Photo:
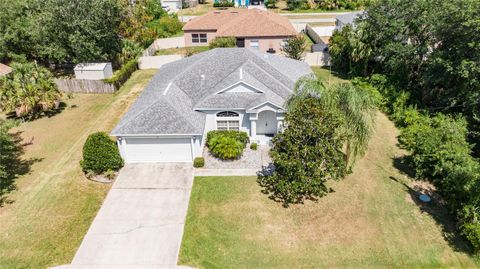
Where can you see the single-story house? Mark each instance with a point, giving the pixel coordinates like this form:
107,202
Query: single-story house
93,71
5,69
172,5
221,89
349,18
247,3
262,30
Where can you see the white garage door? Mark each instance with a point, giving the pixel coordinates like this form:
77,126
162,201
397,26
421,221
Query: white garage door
158,150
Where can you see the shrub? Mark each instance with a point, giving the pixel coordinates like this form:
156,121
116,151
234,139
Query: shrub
241,136
199,162
223,42
253,146
100,154
166,26
123,74
223,3
227,144
297,4
131,50
294,47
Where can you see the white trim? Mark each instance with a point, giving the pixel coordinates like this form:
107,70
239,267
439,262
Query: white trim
166,89
280,108
152,135
238,83
220,109
241,73
192,148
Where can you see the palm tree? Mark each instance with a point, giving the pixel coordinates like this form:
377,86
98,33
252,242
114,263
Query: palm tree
355,106
28,90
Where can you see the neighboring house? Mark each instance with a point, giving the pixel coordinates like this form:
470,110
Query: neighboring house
253,28
5,69
246,3
93,71
349,18
172,5
221,89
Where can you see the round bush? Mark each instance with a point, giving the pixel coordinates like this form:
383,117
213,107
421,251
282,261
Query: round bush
227,148
100,154
253,146
199,162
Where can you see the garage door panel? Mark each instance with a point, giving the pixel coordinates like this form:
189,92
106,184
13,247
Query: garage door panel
158,150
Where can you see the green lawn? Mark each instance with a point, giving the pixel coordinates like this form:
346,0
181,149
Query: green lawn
328,76
54,204
372,220
182,51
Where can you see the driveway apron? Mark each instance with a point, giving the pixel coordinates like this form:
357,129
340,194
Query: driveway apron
142,218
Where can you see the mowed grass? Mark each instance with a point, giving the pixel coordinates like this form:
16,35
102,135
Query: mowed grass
371,220
182,51
54,204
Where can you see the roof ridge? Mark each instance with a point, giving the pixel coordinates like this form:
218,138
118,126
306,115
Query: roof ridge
270,75
201,100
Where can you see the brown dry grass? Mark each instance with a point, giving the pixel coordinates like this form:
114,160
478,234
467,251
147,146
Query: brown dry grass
54,205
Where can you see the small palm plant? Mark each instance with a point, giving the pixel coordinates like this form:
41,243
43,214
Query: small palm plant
29,90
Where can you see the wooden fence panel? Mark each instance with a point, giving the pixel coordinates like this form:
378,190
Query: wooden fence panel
84,86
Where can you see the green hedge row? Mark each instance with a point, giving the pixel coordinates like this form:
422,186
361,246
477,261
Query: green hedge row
123,74
440,152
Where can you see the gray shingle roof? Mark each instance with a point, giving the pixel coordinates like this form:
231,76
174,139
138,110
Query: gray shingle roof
349,18
168,103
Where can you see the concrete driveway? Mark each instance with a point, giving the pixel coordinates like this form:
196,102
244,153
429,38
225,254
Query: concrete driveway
140,224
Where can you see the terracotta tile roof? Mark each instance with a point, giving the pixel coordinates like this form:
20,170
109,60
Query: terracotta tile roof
243,22
5,69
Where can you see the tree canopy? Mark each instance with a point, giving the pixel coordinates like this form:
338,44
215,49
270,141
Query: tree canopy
325,129
429,48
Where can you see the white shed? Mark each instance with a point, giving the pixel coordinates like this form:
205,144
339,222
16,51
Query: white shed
93,71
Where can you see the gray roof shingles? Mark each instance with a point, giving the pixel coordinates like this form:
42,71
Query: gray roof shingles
195,80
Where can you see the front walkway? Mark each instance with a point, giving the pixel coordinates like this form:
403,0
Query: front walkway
140,224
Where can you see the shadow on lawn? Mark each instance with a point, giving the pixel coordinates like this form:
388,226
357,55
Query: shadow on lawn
13,165
437,209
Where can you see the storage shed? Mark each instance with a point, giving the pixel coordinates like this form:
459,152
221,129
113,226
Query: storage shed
93,71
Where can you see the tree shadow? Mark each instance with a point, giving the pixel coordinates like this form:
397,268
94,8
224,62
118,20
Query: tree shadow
437,209
337,73
13,165
50,113
403,164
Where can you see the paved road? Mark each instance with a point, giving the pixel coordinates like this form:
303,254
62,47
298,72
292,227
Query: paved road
140,224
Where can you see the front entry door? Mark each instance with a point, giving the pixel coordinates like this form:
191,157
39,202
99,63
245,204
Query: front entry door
267,122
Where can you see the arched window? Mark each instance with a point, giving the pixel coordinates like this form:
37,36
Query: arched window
227,114
228,120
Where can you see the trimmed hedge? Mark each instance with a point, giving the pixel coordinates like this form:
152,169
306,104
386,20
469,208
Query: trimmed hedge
227,144
223,3
123,74
100,154
253,146
199,162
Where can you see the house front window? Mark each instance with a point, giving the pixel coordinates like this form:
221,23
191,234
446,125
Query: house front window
254,44
228,120
199,38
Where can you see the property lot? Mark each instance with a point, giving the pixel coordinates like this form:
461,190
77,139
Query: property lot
371,220
54,204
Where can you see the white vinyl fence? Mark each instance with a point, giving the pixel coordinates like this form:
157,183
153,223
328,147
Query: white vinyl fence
317,58
155,62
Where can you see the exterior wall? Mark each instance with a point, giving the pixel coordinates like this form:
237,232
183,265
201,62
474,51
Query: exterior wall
94,74
174,5
188,37
265,43
211,122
